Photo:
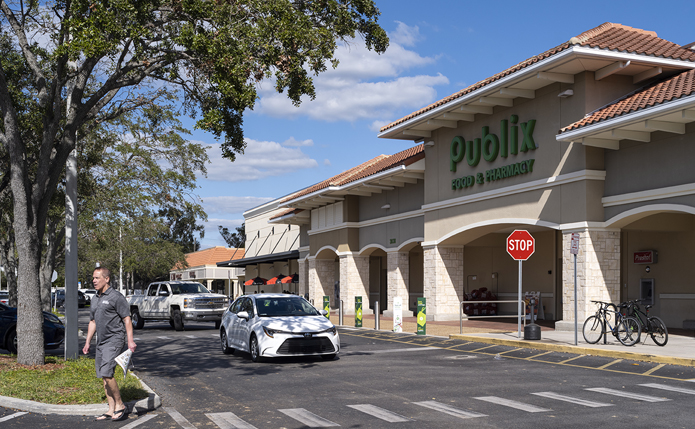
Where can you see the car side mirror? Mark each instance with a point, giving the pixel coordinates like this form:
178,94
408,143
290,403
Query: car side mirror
163,293
323,312
243,315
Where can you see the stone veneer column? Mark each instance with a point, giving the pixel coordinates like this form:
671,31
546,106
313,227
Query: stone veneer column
303,286
443,281
398,280
321,280
598,274
354,281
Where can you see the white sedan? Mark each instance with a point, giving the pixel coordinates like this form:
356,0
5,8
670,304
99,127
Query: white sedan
275,325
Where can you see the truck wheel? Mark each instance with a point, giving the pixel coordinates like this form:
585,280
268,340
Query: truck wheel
178,321
138,322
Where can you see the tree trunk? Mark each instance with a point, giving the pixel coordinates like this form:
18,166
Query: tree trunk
48,264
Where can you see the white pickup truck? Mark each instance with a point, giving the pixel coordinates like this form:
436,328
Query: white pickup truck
177,301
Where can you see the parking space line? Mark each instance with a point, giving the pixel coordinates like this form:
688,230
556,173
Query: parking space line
448,409
669,388
483,348
308,418
571,359
609,364
164,338
509,351
380,413
139,421
538,355
178,418
11,416
559,397
624,394
513,404
656,368
229,421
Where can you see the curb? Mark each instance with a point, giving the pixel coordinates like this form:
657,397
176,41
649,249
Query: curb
578,350
150,403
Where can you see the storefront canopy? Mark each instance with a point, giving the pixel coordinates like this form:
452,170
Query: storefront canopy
263,259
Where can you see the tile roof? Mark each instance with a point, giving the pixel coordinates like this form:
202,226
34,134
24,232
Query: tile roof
211,256
366,169
608,36
681,85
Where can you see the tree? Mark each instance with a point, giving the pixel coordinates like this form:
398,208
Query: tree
234,239
93,61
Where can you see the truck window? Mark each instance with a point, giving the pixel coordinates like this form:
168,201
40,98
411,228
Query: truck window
152,291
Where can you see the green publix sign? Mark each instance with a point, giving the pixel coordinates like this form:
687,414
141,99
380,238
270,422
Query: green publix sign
489,147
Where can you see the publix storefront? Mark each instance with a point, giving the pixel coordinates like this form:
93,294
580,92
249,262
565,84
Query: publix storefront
595,136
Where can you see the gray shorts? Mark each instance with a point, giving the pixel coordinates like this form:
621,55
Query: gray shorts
105,359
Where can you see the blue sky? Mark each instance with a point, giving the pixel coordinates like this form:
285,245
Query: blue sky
437,48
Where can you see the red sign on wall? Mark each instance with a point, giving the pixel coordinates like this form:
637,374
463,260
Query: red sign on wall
644,257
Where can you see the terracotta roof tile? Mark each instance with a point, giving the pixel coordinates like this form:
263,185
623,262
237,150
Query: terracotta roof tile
285,213
609,36
211,256
681,85
366,169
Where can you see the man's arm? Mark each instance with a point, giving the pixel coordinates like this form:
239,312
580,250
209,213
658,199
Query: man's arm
129,333
90,333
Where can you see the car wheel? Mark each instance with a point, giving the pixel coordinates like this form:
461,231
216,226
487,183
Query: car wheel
138,322
254,349
225,345
171,322
12,342
178,321
328,357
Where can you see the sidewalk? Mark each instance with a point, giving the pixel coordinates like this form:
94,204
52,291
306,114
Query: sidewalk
680,349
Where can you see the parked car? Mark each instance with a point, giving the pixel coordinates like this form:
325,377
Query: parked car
89,294
274,325
4,297
58,298
53,329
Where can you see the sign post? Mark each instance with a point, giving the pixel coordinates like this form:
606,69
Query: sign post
574,249
520,246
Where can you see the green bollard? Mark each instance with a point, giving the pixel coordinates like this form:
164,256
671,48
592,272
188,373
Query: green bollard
421,316
358,312
327,306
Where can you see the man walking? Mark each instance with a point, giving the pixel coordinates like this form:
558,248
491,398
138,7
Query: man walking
110,319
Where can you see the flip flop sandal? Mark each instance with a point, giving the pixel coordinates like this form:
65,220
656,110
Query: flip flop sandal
103,417
123,415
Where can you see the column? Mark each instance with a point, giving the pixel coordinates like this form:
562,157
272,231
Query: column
321,280
443,281
598,274
354,281
398,284
303,286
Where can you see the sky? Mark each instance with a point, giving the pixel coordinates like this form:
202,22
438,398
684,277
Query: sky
437,48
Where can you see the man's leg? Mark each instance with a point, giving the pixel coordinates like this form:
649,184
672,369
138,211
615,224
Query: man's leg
113,395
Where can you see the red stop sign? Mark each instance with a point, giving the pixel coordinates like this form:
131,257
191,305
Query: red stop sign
520,245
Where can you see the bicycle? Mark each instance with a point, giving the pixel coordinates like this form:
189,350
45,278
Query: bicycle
651,325
627,329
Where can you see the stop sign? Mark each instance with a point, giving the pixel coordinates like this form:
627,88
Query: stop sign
520,245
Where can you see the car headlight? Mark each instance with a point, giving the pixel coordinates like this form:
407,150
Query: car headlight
270,332
331,330
188,303
52,318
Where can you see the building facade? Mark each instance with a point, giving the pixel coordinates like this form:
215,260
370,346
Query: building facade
595,136
203,268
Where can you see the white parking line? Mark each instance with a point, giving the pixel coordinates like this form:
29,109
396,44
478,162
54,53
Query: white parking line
139,421
380,413
229,421
513,404
559,397
448,409
164,338
410,349
11,416
308,418
669,388
625,394
190,336
178,418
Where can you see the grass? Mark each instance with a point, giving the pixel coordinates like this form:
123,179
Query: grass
61,382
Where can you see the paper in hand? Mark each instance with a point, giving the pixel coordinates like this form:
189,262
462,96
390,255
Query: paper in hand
124,361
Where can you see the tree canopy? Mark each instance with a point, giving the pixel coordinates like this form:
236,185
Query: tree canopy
71,64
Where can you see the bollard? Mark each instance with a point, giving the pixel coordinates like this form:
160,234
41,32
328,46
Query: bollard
532,331
340,313
376,315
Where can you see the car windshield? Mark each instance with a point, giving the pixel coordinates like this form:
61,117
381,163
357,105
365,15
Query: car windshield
290,306
183,288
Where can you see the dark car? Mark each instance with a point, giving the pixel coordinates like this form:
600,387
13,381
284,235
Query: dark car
4,297
58,298
53,329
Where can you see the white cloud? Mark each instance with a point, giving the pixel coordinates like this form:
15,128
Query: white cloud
232,205
327,162
212,234
292,142
260,159
364,86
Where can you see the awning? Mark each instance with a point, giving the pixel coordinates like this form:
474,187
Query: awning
263,259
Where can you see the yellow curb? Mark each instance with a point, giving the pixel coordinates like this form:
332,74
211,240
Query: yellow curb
642,357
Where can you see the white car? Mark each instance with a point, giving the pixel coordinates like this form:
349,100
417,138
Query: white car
89,294
277,325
